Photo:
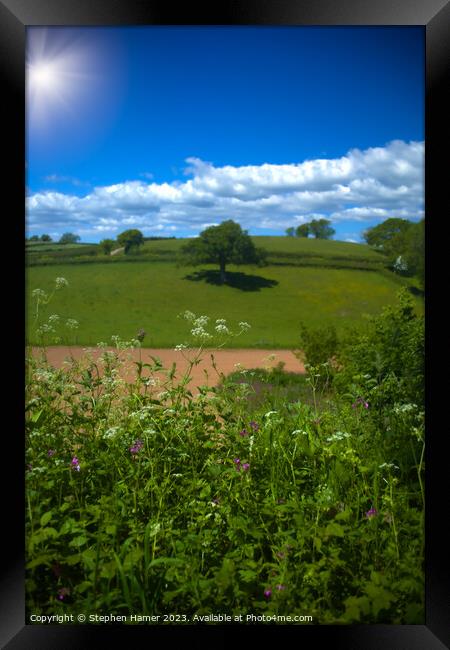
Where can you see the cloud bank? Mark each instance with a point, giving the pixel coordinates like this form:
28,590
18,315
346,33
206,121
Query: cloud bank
359,188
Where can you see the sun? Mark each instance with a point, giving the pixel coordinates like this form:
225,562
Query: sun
44,75
58,77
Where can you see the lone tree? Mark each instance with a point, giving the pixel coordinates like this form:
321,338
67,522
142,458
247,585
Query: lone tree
46,238
224,244
388,236
107,245
321,229
303,230
69,238
290,232
130,239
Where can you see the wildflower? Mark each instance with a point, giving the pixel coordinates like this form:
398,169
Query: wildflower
371,513
246,466
134,449
72,324
141,335
243,433
61,282
267,593
39,294
237,461
244,326
362,401
75,464
281,501
215,501
281,587
199,332
51,452
281,555
180,347
254,425
63,592
222,329
54,318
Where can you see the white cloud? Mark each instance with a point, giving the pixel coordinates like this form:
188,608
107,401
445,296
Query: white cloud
361,186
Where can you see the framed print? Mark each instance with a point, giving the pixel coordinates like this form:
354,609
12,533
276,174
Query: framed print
227,295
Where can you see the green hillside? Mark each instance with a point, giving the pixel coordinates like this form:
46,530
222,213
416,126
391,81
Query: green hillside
120,298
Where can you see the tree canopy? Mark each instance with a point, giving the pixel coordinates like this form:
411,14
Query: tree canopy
388,235
69,238
107,245
403,242
321,228
130,239
224,244
303,230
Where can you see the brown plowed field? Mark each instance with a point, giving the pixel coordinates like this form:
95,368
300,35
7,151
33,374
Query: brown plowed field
226,361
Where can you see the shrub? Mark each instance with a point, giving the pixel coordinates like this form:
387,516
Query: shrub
318,345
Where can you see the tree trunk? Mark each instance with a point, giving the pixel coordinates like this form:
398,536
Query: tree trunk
223,277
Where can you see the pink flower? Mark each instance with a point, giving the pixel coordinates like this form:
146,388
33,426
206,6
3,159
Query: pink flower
268,593
371,513
75,464
63,592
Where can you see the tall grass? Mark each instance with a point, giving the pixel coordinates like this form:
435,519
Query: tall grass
144,498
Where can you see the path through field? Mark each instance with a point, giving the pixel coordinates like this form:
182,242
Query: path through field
226,361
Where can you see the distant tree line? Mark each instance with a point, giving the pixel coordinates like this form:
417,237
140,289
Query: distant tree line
318,228
66,238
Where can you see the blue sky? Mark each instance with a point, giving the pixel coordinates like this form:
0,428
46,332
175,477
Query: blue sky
172,129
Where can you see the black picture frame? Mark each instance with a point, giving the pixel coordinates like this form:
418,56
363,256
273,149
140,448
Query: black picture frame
15,16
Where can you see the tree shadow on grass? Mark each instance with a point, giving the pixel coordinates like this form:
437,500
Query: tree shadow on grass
242,281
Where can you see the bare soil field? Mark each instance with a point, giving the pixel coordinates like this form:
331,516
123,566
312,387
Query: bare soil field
227,361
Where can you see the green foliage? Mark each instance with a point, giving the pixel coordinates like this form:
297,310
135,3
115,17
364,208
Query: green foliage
148,496
224,244
403,243
290,232
321,228
390,352
303,230
107,245
388,235
46,238
69,238
318,345
130,239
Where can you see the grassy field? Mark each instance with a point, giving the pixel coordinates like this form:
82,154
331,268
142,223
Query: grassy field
121,298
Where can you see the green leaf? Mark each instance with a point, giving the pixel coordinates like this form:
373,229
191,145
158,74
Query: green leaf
78,541
334,529
45,518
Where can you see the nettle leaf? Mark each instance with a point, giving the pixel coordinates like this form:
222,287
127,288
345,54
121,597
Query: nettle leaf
45,518
108,570
334,529
41,559
355,606
79,540
248,575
